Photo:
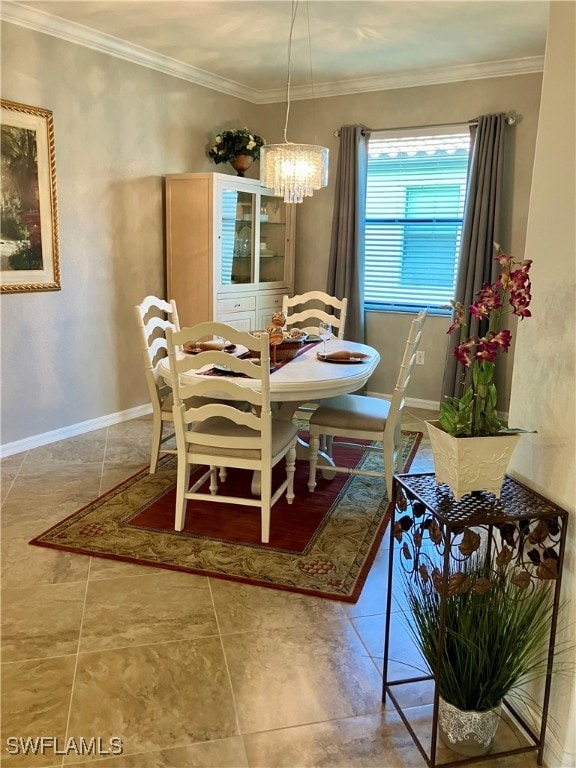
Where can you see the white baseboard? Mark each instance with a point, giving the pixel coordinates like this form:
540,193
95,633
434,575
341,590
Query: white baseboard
35,441
413,402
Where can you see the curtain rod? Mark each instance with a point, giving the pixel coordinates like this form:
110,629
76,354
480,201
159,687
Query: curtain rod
510,120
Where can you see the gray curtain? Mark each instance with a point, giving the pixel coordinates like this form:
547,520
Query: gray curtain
346,265
480,231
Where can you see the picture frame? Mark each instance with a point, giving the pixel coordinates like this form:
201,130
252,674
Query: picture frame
29,258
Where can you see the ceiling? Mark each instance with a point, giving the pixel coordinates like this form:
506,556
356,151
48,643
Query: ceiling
241,46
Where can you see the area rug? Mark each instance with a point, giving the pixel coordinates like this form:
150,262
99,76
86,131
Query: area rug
323,544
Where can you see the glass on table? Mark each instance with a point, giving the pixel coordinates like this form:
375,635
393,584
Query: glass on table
325,333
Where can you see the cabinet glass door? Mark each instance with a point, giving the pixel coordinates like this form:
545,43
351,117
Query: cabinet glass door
237,244
272,249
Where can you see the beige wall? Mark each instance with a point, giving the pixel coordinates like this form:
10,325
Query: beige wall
429,105
72,356
544,380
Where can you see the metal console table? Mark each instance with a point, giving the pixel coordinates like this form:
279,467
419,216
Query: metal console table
429,525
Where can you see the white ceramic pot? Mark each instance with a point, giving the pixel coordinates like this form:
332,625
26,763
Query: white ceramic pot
468,464
468,733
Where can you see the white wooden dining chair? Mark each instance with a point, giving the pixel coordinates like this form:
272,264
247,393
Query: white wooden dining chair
308,310
359,417
218,434
154,316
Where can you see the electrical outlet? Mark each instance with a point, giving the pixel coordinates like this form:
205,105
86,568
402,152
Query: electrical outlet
420,356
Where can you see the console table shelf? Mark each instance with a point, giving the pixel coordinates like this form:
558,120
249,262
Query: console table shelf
430,528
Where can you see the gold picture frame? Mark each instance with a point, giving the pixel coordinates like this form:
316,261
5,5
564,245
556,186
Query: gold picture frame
29,213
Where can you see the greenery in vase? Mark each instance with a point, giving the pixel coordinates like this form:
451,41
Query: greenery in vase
229,144
496,626
474,413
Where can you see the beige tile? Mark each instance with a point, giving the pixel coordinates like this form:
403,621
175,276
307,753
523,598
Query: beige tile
114,474
126,450
154,696
80,449
41,621
223,753
9,468
244,608
26,565
35,700
139,429
149,609
104,568
371,741
373,597
298,675
51,491
405,661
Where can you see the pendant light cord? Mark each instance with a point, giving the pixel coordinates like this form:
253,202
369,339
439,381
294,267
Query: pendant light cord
292,20
315,121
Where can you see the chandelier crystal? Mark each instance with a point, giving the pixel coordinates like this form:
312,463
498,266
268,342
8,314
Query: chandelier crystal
294,171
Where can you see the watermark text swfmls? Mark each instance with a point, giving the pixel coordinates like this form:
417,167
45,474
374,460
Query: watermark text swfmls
44,745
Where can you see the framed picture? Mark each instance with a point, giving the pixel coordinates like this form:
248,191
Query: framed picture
29,216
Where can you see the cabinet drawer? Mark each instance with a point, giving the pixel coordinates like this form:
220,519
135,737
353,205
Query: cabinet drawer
239,304
272,301
243,321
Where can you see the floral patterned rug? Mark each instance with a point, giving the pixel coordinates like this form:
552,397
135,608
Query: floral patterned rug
323,544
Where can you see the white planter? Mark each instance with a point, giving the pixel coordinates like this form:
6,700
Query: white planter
467,732
468,464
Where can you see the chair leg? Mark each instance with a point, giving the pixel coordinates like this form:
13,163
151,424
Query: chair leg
389,468
290,472
213,481
265,500
157,425
223,474
182,484
314,442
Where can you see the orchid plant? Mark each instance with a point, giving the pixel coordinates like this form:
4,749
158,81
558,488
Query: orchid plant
229,144
474,413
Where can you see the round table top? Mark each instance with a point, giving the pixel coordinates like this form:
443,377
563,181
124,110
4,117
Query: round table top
308,378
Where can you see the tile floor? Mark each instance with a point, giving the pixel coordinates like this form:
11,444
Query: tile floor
187,671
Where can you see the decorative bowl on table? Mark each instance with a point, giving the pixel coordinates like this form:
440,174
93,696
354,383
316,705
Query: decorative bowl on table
290,345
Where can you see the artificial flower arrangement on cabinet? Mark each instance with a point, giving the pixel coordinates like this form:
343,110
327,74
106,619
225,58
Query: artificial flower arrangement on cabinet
238,147
461,462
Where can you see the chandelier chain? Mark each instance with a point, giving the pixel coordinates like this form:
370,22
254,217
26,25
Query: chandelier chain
289,76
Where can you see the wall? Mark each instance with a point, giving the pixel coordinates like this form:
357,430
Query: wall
73,355
454,102
544,380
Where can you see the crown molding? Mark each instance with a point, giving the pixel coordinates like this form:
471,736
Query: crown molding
409,79
72,32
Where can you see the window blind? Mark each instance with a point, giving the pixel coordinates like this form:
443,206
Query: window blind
416,191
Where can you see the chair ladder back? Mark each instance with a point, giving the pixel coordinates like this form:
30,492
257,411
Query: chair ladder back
154,316
215,433
301,313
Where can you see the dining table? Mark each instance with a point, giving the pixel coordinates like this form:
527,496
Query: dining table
308,378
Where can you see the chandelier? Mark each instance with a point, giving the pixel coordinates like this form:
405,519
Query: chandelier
293,171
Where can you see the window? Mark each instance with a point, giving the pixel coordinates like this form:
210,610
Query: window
414,207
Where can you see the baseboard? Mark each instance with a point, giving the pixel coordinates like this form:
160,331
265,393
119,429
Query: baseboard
413,402
36,441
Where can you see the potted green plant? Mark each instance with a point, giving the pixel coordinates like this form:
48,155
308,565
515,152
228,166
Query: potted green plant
466,456
238,147
496,621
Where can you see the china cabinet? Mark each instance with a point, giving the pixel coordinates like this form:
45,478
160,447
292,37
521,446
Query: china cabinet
229,249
